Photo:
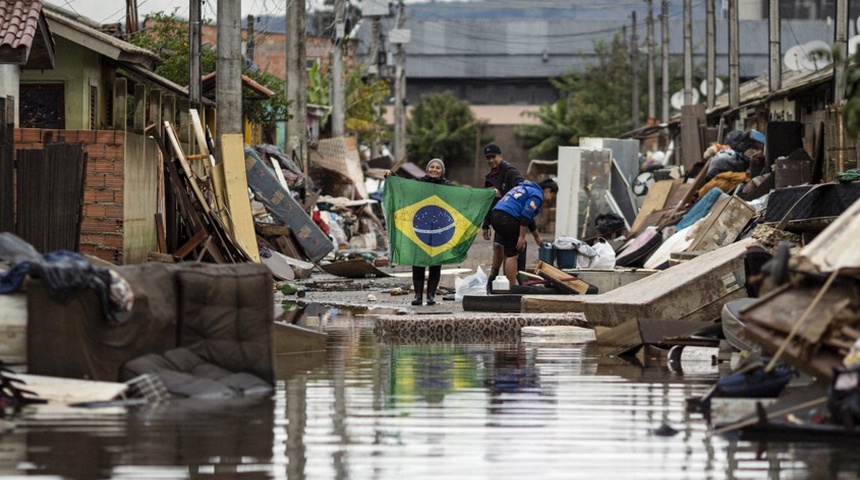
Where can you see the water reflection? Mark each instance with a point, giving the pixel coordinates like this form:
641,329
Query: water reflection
365,409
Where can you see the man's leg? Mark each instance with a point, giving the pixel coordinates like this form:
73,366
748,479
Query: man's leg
521,260
498,258
511,270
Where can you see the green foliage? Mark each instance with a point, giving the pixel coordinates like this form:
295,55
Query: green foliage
364,111
363,97
167,36
444,127
594,103
851,109
267,112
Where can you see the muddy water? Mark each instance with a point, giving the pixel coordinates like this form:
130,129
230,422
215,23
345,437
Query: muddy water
366,410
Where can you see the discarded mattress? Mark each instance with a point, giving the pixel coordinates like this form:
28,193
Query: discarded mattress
184,374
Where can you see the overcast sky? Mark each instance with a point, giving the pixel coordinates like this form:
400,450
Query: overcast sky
110,11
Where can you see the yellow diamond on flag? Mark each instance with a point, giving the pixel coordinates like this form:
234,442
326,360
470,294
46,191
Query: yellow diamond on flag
433,225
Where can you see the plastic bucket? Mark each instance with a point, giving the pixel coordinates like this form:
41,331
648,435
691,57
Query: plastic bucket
565,258
546,253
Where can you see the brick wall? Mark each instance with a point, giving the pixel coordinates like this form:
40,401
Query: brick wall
102,225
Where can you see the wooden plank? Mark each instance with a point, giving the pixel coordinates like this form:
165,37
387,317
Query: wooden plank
218,185
180,155
655,200
7,159
561,279
279,173
160,239
236,183
191,244
272,230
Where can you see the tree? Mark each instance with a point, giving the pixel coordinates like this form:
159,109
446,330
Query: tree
363,96
592,103
167,36
444,127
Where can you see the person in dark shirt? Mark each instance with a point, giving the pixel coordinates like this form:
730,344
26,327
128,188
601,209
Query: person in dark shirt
502,177
434,173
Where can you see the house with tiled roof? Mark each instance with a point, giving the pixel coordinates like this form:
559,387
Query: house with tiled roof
25,43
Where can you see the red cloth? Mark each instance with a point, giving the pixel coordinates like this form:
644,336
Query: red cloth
319,221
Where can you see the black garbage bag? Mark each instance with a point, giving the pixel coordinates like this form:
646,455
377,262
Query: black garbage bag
608,223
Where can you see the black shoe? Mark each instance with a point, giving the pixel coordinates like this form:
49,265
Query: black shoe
431,300
417,300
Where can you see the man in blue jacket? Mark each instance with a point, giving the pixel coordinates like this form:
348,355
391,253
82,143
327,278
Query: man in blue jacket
512,215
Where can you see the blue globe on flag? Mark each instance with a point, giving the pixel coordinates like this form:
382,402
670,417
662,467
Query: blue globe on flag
433,225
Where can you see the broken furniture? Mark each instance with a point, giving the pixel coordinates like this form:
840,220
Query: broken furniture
220,313
693,290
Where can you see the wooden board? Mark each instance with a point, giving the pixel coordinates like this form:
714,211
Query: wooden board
236,186
655,200
180,155
561,279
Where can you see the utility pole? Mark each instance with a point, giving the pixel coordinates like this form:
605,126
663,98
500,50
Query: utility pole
652,100
400,90
712,53
251,42
664,30
337,103
296,89
688,53
840,42
194,55
775,56
228,79
375,67
634,67
130,16
734,64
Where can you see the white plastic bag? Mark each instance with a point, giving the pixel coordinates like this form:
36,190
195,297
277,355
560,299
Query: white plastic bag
605,257
474,284
599,255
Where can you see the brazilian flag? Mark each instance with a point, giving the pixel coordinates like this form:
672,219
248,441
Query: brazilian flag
431,224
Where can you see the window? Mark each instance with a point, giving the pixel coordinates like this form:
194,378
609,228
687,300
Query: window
42,106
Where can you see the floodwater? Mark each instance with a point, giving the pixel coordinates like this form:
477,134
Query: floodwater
366,410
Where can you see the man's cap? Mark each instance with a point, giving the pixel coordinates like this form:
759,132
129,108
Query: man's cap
491,150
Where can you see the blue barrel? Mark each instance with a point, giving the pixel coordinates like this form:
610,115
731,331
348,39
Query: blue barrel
546,253
565,258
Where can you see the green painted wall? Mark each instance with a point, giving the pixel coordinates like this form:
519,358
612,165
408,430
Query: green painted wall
77,68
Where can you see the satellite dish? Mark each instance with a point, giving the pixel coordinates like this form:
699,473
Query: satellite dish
817,55
677,99
718,87
791,59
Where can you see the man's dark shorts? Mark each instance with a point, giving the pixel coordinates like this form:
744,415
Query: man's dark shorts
507,231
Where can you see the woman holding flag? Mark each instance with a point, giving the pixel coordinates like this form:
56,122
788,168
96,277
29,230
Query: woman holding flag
434,173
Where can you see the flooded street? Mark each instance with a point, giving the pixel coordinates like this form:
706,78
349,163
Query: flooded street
370,410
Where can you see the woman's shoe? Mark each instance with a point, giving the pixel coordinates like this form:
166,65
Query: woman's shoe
431,299
417,300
